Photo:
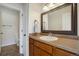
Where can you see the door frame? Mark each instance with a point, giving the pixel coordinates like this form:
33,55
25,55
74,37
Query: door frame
20,24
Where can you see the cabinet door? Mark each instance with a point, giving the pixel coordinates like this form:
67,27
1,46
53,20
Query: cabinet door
43,46
30,49
43,53
36,51
59,52
40,52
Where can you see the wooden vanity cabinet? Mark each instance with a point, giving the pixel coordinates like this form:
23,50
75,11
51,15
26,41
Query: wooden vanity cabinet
59,52
36,51
37,48
31,47
39,52
43,47
43,53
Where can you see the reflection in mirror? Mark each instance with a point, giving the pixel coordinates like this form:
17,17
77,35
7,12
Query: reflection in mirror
58,20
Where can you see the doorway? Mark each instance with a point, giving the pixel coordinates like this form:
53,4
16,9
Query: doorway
9,31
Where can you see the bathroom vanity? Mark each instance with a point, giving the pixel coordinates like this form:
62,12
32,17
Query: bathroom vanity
62,23
62,47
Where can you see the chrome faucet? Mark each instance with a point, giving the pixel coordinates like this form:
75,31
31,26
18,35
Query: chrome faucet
50,34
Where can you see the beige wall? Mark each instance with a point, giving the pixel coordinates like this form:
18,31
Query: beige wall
34,14
78,19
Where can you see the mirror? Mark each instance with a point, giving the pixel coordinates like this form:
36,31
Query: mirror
60,20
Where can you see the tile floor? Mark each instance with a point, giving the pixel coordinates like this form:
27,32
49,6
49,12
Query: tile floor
11,50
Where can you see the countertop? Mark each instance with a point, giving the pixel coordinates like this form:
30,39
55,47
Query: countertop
69,44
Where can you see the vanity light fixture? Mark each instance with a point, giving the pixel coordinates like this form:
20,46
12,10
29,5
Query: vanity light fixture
49,6
45,8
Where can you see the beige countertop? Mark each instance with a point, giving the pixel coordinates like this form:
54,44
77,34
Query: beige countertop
68,44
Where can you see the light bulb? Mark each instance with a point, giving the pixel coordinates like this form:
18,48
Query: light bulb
45,8
51,5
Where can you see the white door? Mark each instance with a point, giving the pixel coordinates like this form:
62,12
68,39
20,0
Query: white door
10,26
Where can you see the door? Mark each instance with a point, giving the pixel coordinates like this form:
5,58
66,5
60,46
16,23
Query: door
9,26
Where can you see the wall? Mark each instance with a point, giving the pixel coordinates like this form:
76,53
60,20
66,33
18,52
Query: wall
34,14
78,18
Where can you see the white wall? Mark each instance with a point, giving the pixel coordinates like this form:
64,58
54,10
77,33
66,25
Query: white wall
34,14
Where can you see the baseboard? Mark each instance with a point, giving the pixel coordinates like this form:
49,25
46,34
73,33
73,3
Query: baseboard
7,44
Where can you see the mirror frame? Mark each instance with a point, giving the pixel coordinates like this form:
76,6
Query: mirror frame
73,20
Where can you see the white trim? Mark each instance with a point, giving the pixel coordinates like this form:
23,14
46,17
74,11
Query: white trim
12,43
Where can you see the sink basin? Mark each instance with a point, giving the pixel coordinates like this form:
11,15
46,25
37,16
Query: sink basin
48,38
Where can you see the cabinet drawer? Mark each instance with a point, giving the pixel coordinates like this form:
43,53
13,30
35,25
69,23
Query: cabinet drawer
31,41
43,46
59,52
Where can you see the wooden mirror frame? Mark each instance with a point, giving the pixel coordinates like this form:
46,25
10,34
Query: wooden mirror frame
73,20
